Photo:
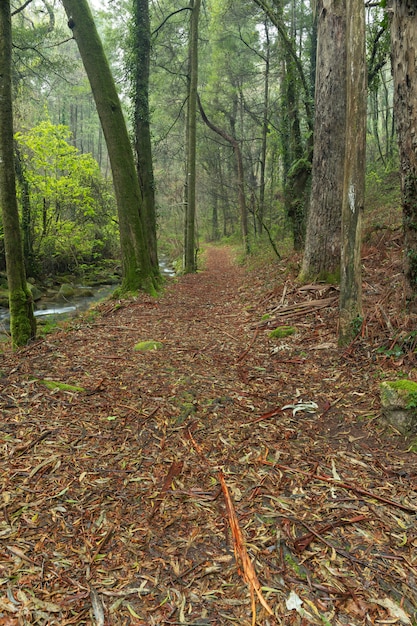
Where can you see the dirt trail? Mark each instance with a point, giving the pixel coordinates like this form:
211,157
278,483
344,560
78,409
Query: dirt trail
112,509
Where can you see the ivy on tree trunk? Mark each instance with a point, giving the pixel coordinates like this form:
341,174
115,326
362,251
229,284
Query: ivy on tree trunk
136,263
22,320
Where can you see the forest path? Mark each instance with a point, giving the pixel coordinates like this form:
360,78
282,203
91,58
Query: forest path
113,513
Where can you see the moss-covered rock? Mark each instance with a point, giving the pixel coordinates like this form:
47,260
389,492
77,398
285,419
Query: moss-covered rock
399,404
66,291
145,346
35,291
282,331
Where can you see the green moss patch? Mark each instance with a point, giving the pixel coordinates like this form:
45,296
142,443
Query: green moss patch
408,385
145,346
54,384
282,331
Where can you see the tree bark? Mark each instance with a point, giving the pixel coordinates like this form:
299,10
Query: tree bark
404,68
354,174
136,264
321,259
22,320
141,45
190,264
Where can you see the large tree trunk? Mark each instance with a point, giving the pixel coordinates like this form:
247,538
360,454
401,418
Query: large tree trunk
354,173
190,264
141,43
404,67
22,321
137,269
322,246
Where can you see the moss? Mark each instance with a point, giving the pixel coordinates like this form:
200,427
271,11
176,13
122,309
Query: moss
282,331
408,385
266,316
22,320
144,346
53,384
292,562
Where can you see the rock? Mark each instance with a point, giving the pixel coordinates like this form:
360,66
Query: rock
66,291
35,291
399,405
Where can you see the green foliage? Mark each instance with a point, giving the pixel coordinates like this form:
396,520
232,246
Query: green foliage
72,207
356,325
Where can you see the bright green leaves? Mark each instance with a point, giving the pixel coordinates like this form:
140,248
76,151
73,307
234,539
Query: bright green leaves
72,207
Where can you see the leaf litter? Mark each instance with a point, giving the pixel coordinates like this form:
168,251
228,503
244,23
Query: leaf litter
218,480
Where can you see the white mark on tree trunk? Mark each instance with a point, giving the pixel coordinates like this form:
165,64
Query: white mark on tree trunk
351,196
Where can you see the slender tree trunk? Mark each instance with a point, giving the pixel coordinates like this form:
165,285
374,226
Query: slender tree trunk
265,124
137,268
404,67
240,175
141,43
22,320
190,264
354,175
322,246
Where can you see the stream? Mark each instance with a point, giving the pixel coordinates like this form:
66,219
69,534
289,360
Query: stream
58,310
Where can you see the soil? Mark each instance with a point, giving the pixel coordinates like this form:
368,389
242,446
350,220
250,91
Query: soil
191,484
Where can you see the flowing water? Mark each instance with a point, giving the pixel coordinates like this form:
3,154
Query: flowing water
55,311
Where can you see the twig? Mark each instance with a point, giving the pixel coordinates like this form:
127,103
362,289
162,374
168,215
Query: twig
349,487
303,542
32,444
242,356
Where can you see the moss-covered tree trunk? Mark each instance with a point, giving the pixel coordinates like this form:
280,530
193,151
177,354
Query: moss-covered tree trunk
354,172
322,246
22,321
27,226
139,68
136,263
404,67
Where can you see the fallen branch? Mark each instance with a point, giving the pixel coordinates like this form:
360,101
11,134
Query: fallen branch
349,487
241,554
300,308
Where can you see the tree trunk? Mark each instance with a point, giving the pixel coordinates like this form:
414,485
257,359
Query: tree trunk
321,259
354,176
141,44
404,67
190,264
136,264
22,320
265,126
240,175
27,226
